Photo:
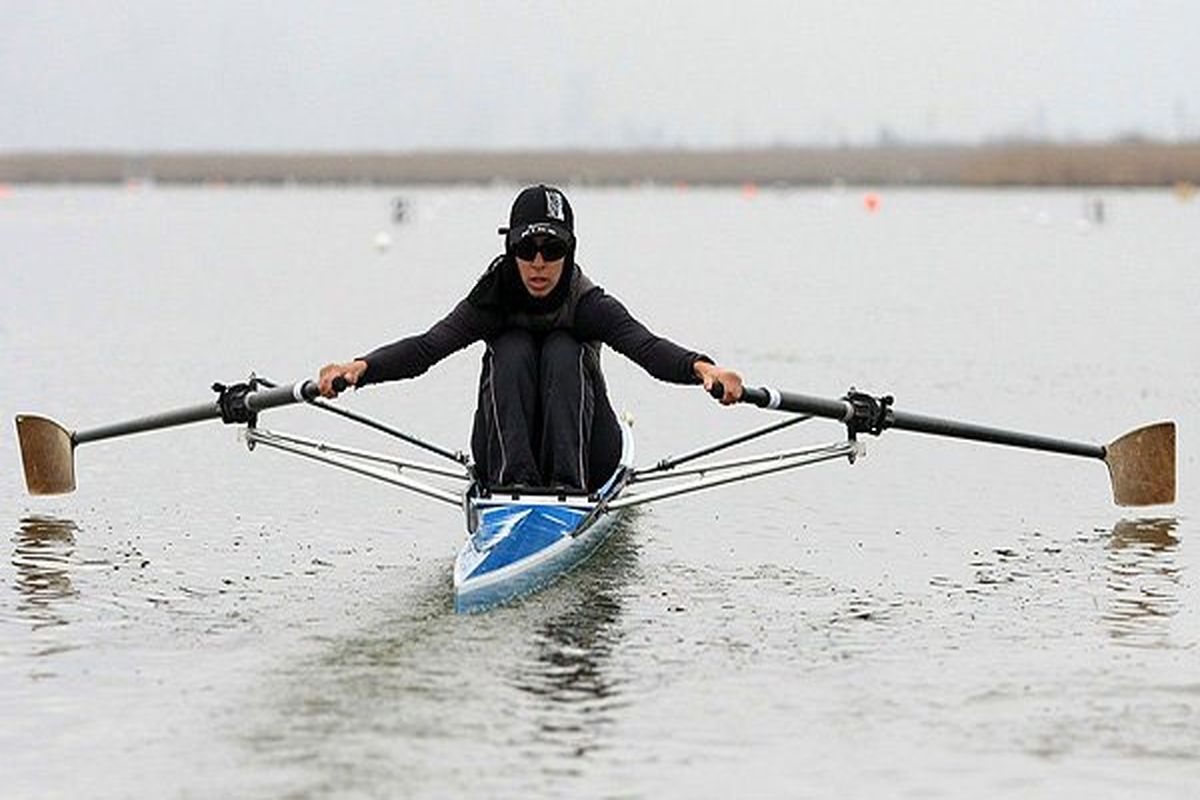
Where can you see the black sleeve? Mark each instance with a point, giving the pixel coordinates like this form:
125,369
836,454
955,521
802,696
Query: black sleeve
412,356
602,317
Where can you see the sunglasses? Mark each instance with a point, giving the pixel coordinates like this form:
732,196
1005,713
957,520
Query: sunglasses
551,248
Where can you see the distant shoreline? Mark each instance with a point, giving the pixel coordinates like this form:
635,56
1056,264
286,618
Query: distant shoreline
1014,164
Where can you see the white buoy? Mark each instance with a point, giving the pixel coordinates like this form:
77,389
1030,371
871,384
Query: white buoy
383,241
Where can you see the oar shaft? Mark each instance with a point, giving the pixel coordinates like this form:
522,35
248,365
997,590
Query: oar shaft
843,411
165,419
936,426
256,401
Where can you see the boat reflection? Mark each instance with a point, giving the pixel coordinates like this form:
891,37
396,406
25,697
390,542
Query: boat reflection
571,673
1143,581
42,557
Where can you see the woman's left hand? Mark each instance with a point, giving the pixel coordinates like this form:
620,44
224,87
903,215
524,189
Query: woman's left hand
730,381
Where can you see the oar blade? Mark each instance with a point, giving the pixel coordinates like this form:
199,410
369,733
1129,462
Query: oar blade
47,453
1142,466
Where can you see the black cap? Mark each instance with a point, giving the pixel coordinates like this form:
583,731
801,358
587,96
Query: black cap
540,210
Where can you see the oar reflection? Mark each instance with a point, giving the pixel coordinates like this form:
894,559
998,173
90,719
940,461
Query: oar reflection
42,557
1143,581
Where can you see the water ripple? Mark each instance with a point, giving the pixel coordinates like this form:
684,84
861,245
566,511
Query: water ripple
43,556
1143,582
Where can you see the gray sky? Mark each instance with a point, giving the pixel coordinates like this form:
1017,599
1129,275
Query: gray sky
407,75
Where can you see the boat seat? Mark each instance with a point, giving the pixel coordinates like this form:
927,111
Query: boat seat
516,491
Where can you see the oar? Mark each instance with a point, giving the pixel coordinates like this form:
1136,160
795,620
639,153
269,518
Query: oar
1141,464
48,449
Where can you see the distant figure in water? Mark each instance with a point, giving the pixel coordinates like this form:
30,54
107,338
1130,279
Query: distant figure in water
543,417
399,210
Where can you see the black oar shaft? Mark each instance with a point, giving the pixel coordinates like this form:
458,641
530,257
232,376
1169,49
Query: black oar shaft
166,419
256,401
843,411
936,426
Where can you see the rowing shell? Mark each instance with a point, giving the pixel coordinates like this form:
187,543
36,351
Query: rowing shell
517,544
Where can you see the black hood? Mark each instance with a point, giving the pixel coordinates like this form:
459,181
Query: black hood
537,211
500,287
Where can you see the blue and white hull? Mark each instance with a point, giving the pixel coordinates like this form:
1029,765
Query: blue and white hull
520,544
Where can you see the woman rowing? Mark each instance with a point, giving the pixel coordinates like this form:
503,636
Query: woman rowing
543,417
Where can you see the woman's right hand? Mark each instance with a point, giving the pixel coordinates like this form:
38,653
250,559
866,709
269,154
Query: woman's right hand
350,371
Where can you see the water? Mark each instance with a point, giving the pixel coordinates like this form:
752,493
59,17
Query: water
940,618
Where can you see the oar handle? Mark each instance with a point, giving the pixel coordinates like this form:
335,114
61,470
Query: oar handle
766,397
302,391
255,401
865,414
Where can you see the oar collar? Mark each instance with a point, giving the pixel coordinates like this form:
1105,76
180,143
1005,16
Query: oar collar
232,402
868,414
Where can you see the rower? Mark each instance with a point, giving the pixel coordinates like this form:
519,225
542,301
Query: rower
543,417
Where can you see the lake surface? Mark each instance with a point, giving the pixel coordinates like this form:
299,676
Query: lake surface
939,619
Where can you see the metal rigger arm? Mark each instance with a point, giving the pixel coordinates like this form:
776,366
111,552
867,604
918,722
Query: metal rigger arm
720,473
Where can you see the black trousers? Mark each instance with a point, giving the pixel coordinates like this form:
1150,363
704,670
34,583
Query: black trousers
543,417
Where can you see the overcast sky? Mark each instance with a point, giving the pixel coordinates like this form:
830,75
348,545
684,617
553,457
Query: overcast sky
402,75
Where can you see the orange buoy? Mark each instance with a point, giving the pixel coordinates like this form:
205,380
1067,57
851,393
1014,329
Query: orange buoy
871,202
749,190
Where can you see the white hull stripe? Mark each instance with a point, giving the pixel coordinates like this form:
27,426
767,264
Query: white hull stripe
582,392
491,366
